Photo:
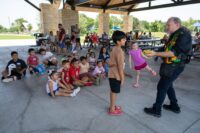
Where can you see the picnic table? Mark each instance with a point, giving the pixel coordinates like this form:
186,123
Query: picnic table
148,43
152,44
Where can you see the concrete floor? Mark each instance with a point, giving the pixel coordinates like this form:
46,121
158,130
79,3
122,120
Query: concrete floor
26,108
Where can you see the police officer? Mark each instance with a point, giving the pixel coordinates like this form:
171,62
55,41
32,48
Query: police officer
175,56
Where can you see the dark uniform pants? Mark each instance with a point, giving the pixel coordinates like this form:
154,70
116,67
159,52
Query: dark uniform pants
165,86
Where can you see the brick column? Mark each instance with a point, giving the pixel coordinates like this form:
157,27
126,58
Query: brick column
49,17
127,23
103,23
68,18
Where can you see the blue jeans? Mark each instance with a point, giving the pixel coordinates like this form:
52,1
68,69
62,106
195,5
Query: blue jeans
62,45
165,86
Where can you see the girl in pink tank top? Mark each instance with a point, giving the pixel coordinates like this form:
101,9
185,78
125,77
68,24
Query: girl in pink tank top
138,58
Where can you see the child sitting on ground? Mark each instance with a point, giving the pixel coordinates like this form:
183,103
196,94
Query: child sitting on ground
84,70
74,72
59,71
55,88
15,69
99,71
45,45
104,56
92,61
88,54
65,79
48,58
32,61
137,57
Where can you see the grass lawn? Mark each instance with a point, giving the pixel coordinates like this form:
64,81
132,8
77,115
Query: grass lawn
13,36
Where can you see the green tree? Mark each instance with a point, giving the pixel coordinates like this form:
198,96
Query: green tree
115,21
144,26
136,23
19,25
3,29
30,27
190,24
96,23
157,26
86,24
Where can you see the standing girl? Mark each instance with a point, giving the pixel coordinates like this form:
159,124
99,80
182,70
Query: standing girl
138,58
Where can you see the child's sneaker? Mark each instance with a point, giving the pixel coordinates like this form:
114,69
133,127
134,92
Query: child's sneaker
73,94
76,91
6,80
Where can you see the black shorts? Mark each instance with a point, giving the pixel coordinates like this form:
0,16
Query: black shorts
115,85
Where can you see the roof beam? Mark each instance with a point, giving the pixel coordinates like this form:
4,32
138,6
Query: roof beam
107,3
100,7
33,5
130,7
149,3
104,6
166,5
51,1
176,1
127,3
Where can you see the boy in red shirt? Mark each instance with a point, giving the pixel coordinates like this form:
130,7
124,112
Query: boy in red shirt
74,72
32,61
65,78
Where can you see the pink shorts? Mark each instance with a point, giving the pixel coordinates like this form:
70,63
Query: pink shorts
141,66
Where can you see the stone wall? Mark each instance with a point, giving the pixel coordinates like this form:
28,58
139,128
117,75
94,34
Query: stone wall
103,23
68,18
50,17
127,23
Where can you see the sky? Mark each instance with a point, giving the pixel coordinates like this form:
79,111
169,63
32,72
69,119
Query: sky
13,9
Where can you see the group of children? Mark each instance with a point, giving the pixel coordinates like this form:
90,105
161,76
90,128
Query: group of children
81,71
65,81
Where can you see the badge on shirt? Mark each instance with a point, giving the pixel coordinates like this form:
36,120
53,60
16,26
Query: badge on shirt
18,63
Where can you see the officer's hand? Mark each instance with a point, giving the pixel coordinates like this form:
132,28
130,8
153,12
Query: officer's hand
151,54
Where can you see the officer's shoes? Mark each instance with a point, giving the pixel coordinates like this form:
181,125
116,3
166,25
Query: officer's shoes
172,108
